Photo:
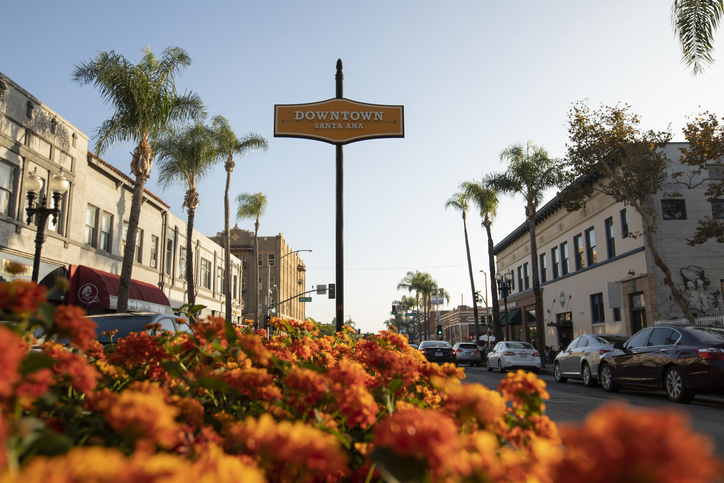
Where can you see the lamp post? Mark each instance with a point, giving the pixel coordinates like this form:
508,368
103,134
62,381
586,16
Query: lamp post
34,184
504,282
269,304
488,317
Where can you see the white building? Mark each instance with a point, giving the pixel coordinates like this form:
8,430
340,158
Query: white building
90,229
597,274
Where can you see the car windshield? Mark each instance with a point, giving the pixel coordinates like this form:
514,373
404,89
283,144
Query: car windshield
437,343
711,335
611,339
519,345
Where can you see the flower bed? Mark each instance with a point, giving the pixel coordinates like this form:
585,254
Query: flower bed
217,404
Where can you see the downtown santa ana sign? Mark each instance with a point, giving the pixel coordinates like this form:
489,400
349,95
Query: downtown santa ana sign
338,121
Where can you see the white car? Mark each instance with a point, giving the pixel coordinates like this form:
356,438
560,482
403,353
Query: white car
514,355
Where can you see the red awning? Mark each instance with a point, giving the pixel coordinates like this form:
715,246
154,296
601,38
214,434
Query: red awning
91,288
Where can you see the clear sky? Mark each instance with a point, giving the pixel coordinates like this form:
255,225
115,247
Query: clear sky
473,76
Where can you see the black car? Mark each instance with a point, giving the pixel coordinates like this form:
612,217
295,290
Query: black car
437,351
683,360
132,322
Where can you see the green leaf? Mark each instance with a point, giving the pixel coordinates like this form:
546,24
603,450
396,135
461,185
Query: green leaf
174,368
230,333
36,361
396,469
215,385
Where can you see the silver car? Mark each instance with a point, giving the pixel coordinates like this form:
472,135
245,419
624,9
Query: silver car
466,352
580,359
514,355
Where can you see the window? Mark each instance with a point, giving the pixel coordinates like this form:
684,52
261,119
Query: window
261,284
243,260
205,274
182,262
271,259
610,241
717,209
639,339
169,256
673,209
220,280
233,287
154,251
597,315
91,225
259,258
526,276
591,246
543,268
616,314
60,222
662,336
139,238
106,227
565,267
520,278
243,284
272,282
624,224
6,187
555,261
578,251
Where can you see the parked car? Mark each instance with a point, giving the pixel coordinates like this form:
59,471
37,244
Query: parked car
414,346
467,352
514,355
580,359
437,351
683,360
132,322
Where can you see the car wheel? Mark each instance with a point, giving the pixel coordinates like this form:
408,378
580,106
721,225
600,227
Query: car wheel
557,374
500,366
675,386
490,366
587,377
607,379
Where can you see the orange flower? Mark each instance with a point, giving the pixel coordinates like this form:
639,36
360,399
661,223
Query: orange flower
72,323
21,297
619,443
141,352
525,390
253,346
73,367
288,451
304,389
351,396
476,406
33,386
423,434
252,382
144,418
12,351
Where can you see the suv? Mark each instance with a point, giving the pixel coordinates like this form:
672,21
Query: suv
467,352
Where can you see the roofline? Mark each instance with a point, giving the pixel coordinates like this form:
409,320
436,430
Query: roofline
125,177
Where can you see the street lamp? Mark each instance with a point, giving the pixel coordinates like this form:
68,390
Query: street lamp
34,184
504,284
269,305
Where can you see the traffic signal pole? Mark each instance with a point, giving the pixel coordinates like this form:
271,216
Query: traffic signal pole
339,279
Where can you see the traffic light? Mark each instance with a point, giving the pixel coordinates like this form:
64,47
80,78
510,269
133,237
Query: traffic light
330,291
439,330
478,297
394,309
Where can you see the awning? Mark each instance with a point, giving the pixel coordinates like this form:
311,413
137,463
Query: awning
92,288
513,317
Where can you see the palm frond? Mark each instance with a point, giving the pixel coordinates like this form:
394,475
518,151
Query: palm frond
695,22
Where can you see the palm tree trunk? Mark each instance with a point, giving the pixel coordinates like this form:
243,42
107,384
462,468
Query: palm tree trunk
227,248
129,253
256,275
497,330
190,257
539,318
472,282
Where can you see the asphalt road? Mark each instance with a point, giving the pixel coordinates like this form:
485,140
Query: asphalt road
572,401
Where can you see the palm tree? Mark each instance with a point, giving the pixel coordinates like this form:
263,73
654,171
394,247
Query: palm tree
414,281
460,202
695,22
251,207
486,199
530,173
185,157
146,105
228,143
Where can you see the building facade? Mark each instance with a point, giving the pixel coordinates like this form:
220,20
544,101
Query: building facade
458,324
282,274
94,212
597,273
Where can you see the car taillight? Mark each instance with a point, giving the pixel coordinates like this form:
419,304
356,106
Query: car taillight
536,354
711,354
459,350
508,353
603,351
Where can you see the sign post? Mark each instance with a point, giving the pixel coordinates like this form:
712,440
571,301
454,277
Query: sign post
338,121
